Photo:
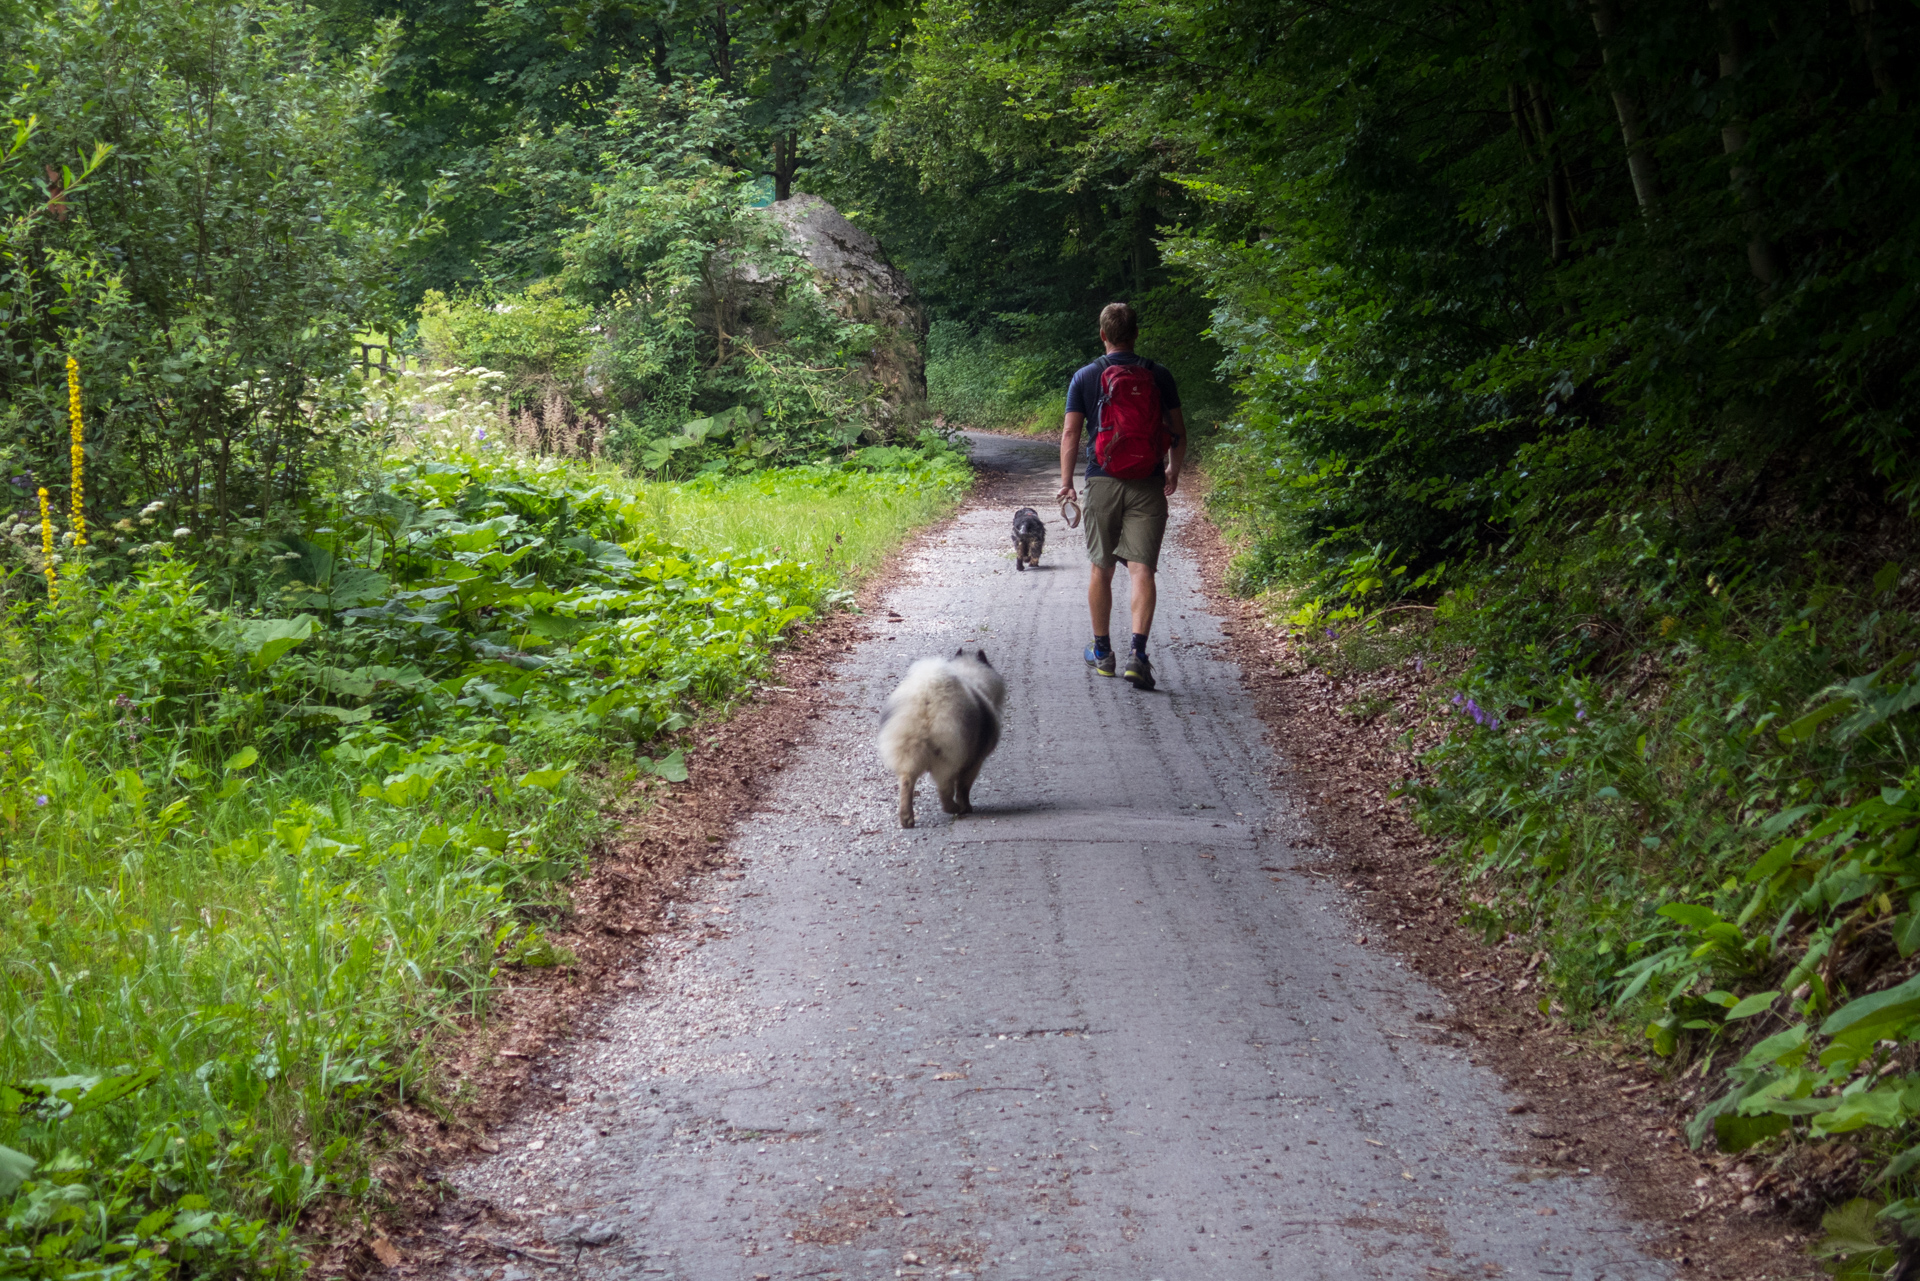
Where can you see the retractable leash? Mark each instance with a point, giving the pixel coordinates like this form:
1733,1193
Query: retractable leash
1070,512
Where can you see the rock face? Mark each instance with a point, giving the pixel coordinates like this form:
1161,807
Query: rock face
860,284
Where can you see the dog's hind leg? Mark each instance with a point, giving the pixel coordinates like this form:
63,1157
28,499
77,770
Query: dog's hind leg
963,786
948,802
906,800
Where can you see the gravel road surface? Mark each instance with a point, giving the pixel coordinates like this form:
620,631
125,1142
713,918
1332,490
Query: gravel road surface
1108,1026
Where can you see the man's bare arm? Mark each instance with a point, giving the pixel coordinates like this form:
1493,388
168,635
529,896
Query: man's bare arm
1070,429
1177,456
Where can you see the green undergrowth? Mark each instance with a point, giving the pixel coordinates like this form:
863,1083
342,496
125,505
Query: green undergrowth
1688,776
280,805
1000,384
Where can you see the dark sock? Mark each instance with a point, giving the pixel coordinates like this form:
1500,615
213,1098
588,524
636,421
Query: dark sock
1140,643
1103,644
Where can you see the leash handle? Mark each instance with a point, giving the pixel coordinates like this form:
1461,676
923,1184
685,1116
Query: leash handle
1070,512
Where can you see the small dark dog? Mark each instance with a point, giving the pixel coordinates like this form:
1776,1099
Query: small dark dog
1029,537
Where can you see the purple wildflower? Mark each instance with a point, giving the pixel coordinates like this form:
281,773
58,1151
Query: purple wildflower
40,801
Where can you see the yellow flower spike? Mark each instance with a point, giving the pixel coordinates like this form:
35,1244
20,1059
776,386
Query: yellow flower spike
79,456
46,544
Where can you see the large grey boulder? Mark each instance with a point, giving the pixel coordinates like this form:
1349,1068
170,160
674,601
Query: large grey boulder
859,284
856,282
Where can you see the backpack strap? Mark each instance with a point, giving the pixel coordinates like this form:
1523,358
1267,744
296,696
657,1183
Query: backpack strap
1100,402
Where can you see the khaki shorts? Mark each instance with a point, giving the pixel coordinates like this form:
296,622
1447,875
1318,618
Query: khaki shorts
1126,520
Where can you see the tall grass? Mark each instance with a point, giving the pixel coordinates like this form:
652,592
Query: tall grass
848,520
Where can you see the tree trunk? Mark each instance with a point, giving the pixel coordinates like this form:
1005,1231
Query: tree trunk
1142,248
662,73
722,45
1606,21
1559,218
786,163
1870,45
1761,258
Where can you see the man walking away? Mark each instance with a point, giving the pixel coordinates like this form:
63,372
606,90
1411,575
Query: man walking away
1138,446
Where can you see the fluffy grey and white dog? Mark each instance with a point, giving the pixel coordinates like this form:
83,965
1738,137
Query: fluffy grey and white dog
1029,537
943,720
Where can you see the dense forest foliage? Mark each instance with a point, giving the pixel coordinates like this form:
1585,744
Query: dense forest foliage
1560,353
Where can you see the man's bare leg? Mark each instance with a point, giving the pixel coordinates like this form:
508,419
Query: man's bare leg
1100,599
1145,597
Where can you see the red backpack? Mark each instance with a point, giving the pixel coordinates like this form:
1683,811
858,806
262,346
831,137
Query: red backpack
1129,439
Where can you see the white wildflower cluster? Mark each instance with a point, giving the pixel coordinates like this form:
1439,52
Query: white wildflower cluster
466,411
445,411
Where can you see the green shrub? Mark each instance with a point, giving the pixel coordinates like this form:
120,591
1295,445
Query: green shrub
539,338
212,273
977,380
1686,776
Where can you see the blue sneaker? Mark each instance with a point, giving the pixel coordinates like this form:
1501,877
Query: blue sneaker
1101,661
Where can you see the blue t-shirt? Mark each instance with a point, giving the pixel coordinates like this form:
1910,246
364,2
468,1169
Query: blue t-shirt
1083,397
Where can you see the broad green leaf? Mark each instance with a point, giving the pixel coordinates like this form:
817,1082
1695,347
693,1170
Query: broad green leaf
1690,914
15,1168
1850,1229
672,767
1901,1164
1894,1005
245,758
1786,818
1661,1033
1774,859
556,626
112,1089
1736,1133
402,789
266,640
1877,1107
543,778
1807,726
333,715
1752,1005
1783,1105
1778,1049
1906,933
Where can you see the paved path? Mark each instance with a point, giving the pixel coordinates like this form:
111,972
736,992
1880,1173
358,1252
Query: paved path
1098,1030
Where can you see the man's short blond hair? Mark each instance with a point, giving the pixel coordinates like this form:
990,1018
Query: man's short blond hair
1119,323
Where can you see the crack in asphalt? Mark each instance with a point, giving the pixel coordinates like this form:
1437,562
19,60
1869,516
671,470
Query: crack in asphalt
1226,1085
